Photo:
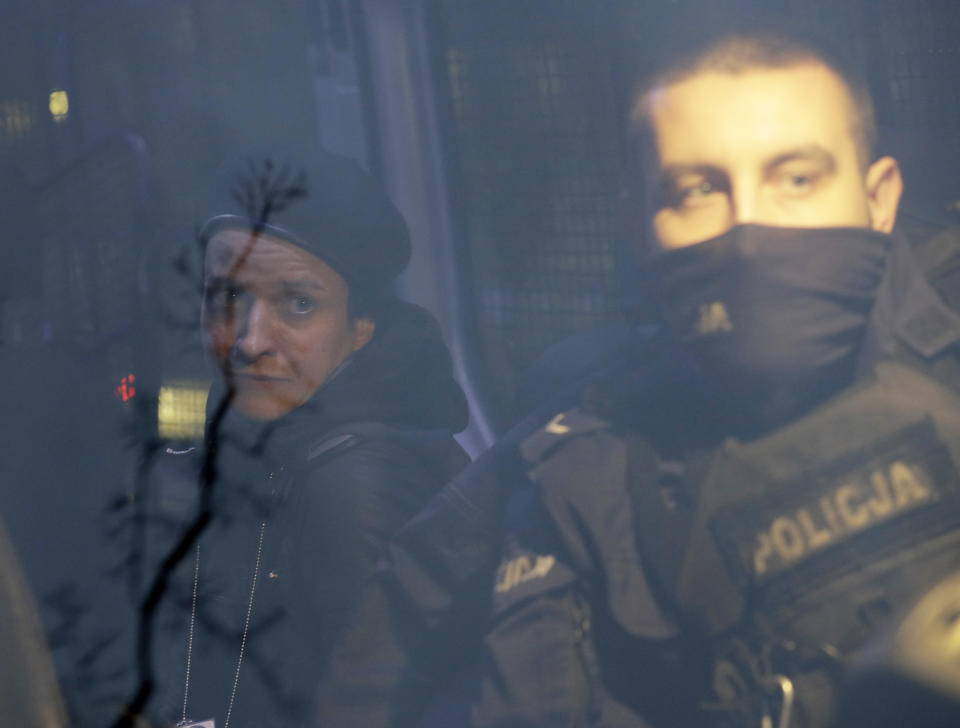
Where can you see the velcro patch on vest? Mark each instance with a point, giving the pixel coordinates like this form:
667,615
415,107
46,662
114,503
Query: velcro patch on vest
896,478
521,569
526,575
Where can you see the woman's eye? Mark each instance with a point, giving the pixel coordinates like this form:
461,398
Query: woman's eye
223,296
301,304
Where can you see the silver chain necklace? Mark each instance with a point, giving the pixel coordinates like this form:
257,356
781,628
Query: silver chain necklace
243,638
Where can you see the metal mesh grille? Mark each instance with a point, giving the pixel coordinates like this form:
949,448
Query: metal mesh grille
538,91
87,229
537,168
919,95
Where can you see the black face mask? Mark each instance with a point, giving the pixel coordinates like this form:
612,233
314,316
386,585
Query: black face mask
774,317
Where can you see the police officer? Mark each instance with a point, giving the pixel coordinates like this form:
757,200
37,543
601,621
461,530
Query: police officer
713,532
729,514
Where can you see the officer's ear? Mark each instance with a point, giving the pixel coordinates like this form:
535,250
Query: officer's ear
884,188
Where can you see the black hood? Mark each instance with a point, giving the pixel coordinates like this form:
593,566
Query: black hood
403,377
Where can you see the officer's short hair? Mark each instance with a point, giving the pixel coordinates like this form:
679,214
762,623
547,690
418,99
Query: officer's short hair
739,52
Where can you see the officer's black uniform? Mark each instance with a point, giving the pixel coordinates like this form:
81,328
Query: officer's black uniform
689,555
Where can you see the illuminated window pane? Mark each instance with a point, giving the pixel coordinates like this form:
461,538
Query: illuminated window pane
59,105
181,410
15,122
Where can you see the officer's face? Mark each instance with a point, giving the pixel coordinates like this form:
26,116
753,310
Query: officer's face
275,320
766,146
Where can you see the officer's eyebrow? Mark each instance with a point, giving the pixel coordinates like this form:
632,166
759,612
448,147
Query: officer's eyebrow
809,153
672,172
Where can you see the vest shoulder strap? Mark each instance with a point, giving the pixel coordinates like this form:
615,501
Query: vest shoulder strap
562,427
939,259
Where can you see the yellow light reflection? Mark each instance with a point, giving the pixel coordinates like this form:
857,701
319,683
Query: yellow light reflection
15,121
59,104
181,410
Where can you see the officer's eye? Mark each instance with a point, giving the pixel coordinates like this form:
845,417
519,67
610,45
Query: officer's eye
694,192
797,182
687,194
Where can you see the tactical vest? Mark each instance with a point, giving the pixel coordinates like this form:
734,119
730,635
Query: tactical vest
786,554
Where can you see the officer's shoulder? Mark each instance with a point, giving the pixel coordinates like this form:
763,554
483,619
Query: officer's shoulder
559,431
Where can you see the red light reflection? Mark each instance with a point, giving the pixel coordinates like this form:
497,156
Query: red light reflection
126,391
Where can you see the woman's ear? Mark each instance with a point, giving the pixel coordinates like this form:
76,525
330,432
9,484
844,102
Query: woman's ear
364,330
884,188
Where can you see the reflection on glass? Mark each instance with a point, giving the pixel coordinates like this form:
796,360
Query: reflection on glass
59,105
181,410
